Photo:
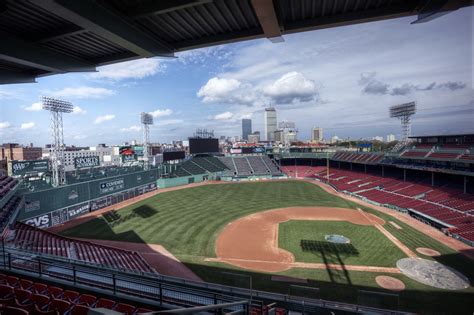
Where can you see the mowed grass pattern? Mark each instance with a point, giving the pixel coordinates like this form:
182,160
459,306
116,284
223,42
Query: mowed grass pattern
187,221
373,248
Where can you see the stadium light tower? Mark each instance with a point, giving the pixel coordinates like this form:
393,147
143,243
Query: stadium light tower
147,120
57,107
404,113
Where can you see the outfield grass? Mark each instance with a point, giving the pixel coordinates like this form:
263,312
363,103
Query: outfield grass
186,222
368,246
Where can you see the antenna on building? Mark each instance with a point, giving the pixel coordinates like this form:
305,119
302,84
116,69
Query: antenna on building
57,107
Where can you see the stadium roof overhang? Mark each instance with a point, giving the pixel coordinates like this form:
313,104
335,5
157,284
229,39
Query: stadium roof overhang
44,37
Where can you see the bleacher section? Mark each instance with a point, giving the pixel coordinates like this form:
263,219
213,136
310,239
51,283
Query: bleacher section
29,238
447,152
200,165
8,210
252,165
358,157
445,205
6,184
23,297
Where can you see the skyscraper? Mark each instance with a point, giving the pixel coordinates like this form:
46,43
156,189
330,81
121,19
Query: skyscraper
317,134
246,128
270,123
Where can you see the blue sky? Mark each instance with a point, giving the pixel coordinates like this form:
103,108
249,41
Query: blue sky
342,79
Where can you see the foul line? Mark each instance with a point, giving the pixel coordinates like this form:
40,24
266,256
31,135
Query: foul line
389,235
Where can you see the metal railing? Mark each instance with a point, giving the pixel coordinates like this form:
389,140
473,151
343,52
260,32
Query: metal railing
161,290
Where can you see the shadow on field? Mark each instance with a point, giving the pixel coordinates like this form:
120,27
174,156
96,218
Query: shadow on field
114,218
145,211
331,254
427,301
100,228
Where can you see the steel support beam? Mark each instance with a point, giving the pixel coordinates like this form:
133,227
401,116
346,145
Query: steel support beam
164,6
93,17
24,53
268,20
433,9
11,77
351,18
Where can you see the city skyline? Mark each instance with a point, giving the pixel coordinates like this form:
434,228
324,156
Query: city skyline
302,78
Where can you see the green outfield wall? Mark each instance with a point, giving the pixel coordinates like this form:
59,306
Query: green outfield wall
57,205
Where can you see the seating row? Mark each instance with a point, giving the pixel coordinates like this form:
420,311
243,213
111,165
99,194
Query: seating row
30,238
21,296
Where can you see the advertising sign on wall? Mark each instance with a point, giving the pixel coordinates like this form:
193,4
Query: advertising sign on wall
110,186
85,162
16,168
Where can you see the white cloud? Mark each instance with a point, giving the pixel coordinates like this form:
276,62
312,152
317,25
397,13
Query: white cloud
4,125
7,94
217,89
101,119
35,107
27,125
161,113
78,111
131,128
292,87
135,69
83,92
79,137
223,116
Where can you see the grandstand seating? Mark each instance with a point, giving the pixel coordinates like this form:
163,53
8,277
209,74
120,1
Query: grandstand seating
20,296
350,156
200,165
7,210
418,154
250,165
445,204
467,156
32,239
6,184
444,155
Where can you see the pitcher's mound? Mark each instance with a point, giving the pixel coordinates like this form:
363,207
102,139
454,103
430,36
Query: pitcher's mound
427,251
390,283
433,273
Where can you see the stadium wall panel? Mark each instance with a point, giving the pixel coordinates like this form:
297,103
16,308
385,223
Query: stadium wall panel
57,205
180,181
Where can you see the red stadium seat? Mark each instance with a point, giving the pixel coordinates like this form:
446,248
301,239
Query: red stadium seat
104,303
86,299
41,301
142,310
15,311
55,292
79,310
22,295
6,291
13,281
60,306
125,308
25,284
70,296
39,288
39,311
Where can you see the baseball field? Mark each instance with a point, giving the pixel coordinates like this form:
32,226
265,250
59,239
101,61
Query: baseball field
292,237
